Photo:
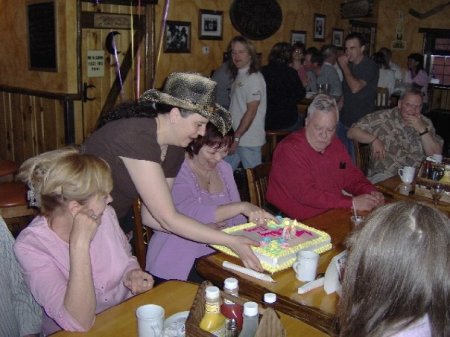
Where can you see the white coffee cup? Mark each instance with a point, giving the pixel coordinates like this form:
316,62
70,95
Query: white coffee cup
407,174
150,319
437,158
306,265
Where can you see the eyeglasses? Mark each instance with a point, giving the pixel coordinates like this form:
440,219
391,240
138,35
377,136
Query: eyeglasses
298,51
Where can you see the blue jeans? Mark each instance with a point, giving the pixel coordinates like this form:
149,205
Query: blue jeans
341,132
250,156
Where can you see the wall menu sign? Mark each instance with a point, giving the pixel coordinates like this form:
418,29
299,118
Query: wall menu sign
42,36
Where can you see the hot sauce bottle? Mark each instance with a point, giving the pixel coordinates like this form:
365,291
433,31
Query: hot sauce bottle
230,309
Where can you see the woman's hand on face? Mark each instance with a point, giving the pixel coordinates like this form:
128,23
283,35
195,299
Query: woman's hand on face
242,246
85,224
138,281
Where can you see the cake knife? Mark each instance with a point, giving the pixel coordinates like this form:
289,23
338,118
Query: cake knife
247,271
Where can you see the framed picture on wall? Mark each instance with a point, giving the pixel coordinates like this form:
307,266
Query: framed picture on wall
319,27
337,37
210,26
177,37
298,36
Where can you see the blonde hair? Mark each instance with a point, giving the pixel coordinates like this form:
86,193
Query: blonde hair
62,175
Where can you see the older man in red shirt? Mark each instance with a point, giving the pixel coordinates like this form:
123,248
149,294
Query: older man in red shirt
311,169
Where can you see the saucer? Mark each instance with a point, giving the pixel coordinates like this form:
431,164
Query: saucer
174,325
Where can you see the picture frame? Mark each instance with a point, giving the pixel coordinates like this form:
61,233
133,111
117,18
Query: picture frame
177,37
337,37
298,36
319,27
210,25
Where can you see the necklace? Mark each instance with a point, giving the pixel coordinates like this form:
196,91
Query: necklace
204,176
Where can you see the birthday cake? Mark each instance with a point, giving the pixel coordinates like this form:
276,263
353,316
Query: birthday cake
280,242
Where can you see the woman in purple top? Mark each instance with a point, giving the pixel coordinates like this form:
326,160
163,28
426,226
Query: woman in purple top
75,257
396,280
204,190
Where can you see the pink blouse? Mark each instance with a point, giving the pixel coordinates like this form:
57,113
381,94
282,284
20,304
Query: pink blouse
45,261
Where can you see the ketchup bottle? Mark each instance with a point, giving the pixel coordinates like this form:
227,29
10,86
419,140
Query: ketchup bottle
230,309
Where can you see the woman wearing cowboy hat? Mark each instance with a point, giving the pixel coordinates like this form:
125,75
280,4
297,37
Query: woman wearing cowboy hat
145,155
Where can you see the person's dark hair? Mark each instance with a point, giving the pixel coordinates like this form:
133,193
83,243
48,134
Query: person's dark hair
418,58
133,109
397,272
298,45
281,53
212,138
254,63
358,36
386,52
380,59
316,56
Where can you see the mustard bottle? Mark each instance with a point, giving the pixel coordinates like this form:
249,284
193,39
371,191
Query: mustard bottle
213,321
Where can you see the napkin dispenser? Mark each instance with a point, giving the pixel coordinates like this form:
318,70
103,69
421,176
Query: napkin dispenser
335,273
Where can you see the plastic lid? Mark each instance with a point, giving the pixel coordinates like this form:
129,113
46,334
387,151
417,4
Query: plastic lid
250,308
212,292
270,297
230,283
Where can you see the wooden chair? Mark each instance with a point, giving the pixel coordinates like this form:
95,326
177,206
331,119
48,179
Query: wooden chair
13,198
362,156
7,170
273,137
141,235
382,100
258,179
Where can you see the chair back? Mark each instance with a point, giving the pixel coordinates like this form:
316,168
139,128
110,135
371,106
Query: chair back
273,137
382,100
141,234
362,156
258,179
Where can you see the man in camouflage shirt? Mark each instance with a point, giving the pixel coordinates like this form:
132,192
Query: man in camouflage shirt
398,137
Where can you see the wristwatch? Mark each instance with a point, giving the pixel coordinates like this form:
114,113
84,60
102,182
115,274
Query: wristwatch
237,139
424,132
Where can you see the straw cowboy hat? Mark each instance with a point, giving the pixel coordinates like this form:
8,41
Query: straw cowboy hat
192,92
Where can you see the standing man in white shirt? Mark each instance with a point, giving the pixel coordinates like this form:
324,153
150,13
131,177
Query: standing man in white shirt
248,105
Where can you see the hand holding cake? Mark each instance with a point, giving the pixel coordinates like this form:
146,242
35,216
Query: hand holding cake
257,215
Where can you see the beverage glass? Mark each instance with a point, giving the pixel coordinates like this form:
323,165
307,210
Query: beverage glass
323,88
356,220
306,265
436,193
150,319
406,174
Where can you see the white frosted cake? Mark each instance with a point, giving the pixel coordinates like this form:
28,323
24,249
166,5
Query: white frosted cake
279,243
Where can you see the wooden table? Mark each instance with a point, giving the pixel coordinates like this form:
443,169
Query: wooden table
390,189
316,308
174,296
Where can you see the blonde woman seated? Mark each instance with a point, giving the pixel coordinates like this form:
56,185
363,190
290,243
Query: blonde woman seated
204,190
396,281
75,257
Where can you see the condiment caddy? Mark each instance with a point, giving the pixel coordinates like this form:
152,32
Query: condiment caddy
269,323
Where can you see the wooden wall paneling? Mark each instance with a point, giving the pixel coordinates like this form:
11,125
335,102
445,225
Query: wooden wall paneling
6,143
16,112
51,124
388,20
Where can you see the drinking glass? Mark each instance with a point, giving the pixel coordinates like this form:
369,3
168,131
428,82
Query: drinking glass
436,193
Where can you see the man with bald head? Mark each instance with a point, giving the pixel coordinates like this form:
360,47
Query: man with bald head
398,137
311,169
